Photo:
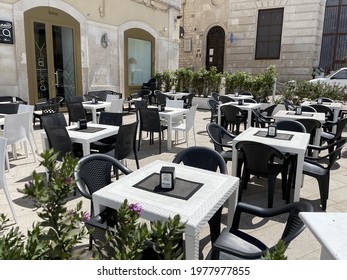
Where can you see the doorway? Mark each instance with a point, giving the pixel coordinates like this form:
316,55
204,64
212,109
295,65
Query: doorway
215,48
53,54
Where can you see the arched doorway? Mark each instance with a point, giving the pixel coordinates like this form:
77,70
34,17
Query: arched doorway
53,47
139,59
215,48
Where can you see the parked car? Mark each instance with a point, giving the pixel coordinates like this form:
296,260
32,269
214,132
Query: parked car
339,78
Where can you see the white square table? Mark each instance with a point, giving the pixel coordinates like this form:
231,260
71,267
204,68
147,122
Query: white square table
290,115
330,230
169,114
83,137
296,145
246,107
336,107
94,107
196,211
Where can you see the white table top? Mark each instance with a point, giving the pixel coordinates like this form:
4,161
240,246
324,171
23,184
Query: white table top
233,96
290,115
334,105
176,95
197,210
100,105
330,229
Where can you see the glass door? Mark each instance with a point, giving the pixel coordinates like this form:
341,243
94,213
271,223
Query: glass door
53,54
55,66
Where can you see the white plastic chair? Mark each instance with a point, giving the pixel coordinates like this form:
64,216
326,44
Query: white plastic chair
116,106
187,125
17,130
110,97
29,108
3,184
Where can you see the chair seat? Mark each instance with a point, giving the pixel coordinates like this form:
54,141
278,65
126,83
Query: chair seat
238,243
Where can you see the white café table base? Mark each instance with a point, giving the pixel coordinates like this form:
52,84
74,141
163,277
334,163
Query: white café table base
330,230
297,145
84,138
196,211
94,107
246,107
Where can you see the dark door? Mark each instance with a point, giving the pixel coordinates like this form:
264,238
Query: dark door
215,48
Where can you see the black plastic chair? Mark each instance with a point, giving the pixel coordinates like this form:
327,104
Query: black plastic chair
245,93
60,141
107,144
188,100
249,100
76,112
9,108
150,122
213,106
207,159
330,137
263,161
259,120
126,142
139,104
222,139
268,111
311,125
325,99
237,244
233,116
93,172
317,168
160,98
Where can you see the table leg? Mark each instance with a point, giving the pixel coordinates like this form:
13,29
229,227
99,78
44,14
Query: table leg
169,127
299,176
86,148
232,202
192,247
94,116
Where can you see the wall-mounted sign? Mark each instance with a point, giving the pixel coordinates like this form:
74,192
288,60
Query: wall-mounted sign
6,32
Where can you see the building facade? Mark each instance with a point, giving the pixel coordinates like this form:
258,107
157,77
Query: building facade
50,48
250,35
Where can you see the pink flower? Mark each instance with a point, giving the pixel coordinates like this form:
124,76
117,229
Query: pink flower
68,181
86,217
29,184
135,207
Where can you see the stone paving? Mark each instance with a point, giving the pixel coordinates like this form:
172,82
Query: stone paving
304,247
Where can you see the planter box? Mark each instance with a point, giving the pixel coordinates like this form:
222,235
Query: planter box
201,101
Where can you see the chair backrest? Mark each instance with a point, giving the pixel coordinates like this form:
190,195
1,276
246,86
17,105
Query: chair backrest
111,118
54,120
51,108
74,99
9,108
216,133
188,100
269,110
161,98
25,108
212,104
340,126
110,97
202,157
59,140
57,99
320,108
116,106
325,99
259,158
310,125
291,125
174,103
76,111
190,117
149,119
308,108
93,172
126,140
215,96
288,105
245,93
139,104
16,127
225,99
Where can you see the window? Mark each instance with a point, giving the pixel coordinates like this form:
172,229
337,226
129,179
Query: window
269,34
139,61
